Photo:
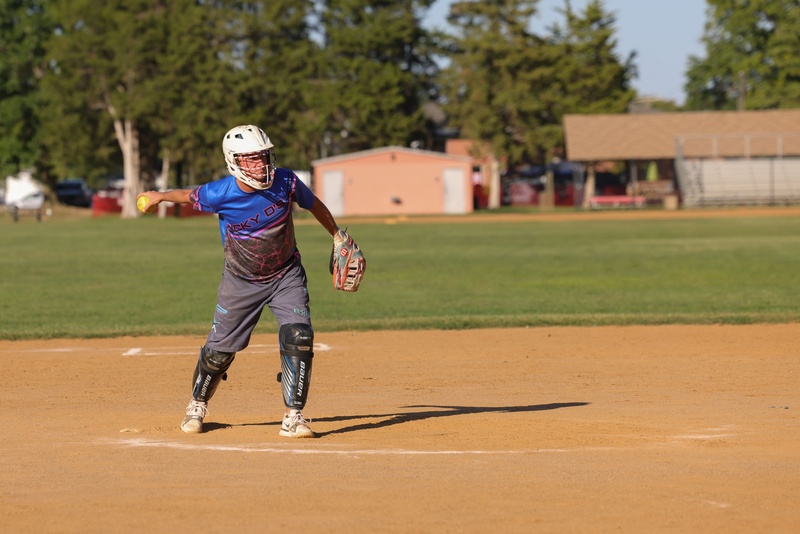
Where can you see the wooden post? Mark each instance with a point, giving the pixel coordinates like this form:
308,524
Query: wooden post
588,188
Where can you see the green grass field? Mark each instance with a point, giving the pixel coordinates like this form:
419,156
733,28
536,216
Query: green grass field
109,277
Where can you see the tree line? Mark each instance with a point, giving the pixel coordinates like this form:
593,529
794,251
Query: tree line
148,87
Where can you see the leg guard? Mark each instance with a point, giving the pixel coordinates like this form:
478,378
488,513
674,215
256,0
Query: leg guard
211,367
297,351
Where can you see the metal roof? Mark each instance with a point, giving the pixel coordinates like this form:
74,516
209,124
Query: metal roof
383,150
705,134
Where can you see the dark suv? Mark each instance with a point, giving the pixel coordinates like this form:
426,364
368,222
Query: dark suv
74,192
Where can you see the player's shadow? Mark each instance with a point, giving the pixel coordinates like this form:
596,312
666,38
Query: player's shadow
429,412
391,419
432,412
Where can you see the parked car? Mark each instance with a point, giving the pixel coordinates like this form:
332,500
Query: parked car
108,199
24,194
74,192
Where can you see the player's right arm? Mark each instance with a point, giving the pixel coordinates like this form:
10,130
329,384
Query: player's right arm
178,196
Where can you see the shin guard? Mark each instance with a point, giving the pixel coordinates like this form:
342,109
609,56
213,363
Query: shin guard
210,370
297,353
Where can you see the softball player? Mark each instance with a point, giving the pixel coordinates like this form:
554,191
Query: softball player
262,268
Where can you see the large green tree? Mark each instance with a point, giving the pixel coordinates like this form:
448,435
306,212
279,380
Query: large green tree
592,75
511,87
752,56
496,67
24,26
198,89
148,74
103,57
589,75
376,73
277,61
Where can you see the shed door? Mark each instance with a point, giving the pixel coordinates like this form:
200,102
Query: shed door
455,193
333,192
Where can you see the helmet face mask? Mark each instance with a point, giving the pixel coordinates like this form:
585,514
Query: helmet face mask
256,165
250,156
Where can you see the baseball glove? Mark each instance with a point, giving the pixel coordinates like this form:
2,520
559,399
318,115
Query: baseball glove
347,262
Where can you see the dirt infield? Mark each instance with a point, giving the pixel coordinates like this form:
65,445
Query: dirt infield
633,429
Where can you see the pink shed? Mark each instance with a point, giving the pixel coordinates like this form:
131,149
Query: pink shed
394,181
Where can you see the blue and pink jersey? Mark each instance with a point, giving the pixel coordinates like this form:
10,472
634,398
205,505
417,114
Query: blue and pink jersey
256,228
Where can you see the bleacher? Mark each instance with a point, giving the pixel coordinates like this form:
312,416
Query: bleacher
743,182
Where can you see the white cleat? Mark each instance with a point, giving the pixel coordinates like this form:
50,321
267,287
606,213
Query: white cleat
295,426
195,412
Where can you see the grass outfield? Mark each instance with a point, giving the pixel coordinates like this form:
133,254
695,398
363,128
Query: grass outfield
79,277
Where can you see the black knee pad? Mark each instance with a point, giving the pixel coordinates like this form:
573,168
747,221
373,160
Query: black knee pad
297,337
297,352
211,368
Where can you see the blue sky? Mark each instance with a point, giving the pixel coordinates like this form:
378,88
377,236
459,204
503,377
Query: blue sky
664,33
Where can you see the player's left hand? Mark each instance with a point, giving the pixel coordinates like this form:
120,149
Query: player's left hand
347,263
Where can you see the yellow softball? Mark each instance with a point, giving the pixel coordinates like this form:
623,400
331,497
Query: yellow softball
141,203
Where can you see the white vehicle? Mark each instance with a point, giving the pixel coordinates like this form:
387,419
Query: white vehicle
22,194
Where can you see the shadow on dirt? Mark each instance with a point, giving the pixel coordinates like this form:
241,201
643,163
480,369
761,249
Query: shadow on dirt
432,412
390,419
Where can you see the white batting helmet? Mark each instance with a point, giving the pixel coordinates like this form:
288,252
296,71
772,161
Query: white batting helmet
250,156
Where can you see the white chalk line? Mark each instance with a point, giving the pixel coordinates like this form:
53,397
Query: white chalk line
705,436
717,432
292,449
271,449
154,351
137,351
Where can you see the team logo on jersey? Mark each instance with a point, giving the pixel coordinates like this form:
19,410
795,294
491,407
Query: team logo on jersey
256,221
